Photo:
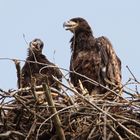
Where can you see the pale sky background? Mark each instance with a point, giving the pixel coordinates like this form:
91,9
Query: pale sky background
118,20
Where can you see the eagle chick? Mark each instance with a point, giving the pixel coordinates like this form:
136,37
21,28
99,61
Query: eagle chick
38,67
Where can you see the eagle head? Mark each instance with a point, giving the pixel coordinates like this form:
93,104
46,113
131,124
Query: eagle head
36,46
76,25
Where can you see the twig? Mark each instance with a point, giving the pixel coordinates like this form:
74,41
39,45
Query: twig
32,129
70,99
6,107
25,39
136,123
29,88
9,133
115,132
28,109
51,117
53,110
132,74
91,133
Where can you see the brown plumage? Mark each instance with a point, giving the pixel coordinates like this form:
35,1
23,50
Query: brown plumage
38,67
93,57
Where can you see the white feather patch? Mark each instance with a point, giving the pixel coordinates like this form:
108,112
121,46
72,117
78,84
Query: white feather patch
104,69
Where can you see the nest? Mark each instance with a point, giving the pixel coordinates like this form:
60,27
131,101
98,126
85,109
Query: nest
28,114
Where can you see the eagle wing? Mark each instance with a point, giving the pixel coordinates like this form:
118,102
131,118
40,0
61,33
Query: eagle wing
26,75
111,64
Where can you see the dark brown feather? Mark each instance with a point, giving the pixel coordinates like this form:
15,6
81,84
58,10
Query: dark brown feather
92,57
32,69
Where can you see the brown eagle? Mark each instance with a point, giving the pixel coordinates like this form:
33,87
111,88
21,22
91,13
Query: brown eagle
38,67
92,57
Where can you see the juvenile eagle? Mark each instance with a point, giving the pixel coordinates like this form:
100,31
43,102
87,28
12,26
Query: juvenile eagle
92,57
38,67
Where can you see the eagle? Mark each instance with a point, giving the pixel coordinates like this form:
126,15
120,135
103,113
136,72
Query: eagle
38,68
92,59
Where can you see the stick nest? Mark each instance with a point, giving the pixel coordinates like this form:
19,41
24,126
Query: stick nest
79,116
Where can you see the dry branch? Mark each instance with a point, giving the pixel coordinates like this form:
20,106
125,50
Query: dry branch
76,117
69,114
53,110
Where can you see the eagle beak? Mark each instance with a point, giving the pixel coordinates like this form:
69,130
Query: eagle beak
34,45
70,25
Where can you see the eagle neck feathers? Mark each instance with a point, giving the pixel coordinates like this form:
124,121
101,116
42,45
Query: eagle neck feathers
80,41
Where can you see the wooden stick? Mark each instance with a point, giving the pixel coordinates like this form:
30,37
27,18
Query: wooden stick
53,110
115,132
8,133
